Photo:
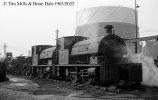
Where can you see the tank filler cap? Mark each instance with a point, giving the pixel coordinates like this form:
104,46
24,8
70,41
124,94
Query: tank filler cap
109,29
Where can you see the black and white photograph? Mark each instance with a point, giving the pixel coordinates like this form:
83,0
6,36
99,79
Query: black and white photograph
78,50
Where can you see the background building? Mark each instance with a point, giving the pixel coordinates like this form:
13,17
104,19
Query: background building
90,22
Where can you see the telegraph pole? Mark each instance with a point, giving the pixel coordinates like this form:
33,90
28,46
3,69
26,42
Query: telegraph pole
29,53
136,23
5,49
136,20
57,33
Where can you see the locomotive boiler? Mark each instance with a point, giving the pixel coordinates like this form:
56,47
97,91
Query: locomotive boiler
78,58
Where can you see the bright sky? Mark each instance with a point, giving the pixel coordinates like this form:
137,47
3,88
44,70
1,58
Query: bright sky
24,26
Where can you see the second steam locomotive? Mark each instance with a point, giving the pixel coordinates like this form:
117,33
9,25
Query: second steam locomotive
77,58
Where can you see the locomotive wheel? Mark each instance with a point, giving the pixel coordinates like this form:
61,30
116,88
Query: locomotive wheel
41,76
48,76
27,74
87,80
73,75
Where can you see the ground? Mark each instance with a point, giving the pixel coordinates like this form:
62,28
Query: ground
23,88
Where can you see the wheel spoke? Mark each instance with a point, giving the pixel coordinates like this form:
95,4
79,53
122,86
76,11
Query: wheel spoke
87,80
73,75
41,76
48,76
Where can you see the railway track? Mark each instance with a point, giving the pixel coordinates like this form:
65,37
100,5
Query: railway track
94,91
95,86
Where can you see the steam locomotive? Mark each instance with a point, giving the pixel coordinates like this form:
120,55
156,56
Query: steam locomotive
16,65
77,58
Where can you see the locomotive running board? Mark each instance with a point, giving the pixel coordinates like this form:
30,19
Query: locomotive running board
80,65
40,65
142,39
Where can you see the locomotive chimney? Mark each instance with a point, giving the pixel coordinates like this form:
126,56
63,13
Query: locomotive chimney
108,29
